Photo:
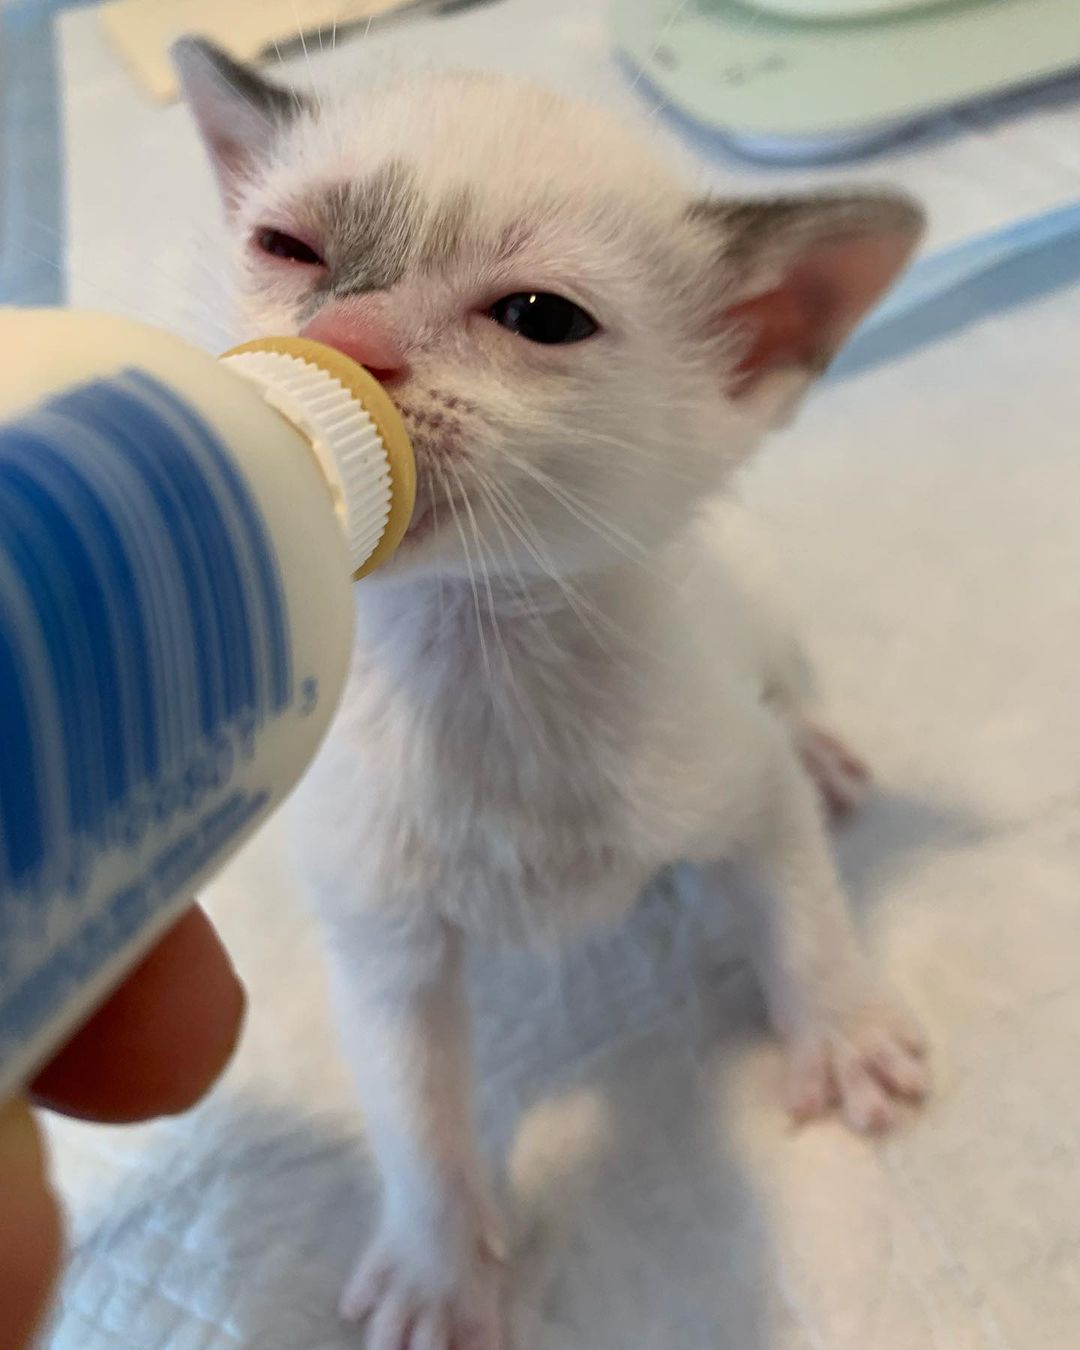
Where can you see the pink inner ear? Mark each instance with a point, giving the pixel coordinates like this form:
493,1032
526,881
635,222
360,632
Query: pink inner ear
803,322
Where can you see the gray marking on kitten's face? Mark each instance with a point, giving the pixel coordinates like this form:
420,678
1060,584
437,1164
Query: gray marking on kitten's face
447,229
367,229
373,231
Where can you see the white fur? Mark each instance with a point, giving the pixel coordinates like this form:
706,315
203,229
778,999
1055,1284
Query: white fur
578,676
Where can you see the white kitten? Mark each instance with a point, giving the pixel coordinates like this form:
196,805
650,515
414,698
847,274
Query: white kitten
570,675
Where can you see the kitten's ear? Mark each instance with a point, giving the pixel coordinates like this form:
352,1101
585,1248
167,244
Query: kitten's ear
238,113
795,276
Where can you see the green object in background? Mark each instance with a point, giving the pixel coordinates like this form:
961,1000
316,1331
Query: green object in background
784,88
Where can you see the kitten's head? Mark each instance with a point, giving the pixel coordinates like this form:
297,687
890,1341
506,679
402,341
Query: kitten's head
580,348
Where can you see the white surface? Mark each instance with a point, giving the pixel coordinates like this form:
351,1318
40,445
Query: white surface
928,512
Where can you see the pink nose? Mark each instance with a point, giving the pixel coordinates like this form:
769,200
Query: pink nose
365,338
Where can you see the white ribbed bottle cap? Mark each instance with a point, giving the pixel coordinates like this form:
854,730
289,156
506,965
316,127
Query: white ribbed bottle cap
352,447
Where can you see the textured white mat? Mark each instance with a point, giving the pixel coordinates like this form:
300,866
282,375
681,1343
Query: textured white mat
929,514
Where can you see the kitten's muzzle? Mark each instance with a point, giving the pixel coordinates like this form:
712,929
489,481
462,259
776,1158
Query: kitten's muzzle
362,336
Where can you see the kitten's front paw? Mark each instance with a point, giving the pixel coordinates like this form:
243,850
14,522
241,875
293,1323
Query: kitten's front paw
864,1062
408,1303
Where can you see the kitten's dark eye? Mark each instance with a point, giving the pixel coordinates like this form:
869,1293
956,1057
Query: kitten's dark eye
543,317
281,245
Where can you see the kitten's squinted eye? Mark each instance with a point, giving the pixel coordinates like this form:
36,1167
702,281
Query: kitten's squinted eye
278,244
543,317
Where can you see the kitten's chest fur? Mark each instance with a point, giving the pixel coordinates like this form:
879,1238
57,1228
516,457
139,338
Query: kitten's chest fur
494,778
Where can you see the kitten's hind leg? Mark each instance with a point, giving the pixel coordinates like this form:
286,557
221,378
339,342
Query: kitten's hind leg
848,1042
759,622
840,776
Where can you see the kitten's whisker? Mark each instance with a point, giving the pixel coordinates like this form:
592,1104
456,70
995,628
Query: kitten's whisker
439,566
527,600
472,574
632,456
590,618
516,519
319,89
624,544
298,102
631,453
588,614
300,35
527,709
312,92
526,603
486,576
244,98
582,512
624,468
577,505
